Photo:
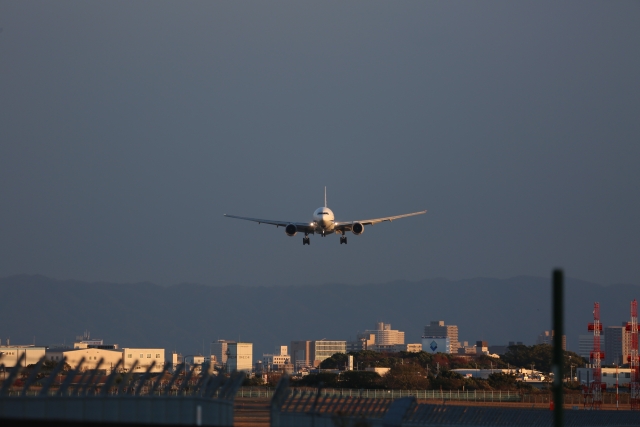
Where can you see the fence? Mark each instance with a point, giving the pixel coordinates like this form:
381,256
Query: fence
120,397
473,395
330,407
444,395
308,408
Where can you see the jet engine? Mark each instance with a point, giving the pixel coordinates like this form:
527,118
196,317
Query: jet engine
357,228
291,230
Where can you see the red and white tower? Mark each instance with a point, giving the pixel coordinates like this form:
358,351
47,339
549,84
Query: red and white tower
634,385
593,391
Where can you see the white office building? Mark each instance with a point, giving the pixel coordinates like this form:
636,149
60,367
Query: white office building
435,345
239,356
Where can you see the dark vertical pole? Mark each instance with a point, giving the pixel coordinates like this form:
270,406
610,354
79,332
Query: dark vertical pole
558,353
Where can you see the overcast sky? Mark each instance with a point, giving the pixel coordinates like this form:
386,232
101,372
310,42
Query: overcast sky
127,129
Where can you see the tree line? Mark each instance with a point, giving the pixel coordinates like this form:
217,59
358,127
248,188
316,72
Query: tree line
425,371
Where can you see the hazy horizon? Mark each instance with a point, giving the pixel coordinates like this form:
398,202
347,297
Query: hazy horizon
182,316
337,283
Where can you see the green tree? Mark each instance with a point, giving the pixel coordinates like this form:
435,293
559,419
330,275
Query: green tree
252,382
408,376
361,379
501,381
539,355
326,379
337,361
447,380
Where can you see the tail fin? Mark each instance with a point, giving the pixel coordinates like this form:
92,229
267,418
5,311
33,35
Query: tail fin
325,196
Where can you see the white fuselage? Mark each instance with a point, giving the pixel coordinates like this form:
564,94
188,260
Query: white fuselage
324,220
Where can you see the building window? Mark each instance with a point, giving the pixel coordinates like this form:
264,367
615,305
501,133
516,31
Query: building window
129,356
604,374
627,375
158,356
141,355
148,355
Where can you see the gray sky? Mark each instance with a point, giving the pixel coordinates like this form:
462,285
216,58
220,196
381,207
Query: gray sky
128,128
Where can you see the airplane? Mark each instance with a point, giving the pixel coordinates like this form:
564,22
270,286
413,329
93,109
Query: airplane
324,223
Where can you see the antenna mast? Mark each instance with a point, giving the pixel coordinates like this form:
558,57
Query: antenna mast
325,196
593,391
634,386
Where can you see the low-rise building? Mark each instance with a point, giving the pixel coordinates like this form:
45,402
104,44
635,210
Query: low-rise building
483,373
609,376
11,354
276,361
380,371
409,348
136,359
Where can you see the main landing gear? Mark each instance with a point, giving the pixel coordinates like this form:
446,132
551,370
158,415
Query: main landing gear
343,239
306,240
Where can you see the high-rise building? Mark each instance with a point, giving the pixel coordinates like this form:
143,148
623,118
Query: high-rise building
300,353
384,335
616,348
437,328
585,344
546,337
219,350
239,356
363,342
311,353
323,349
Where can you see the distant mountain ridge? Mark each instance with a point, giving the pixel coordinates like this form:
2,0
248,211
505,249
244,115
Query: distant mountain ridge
187,317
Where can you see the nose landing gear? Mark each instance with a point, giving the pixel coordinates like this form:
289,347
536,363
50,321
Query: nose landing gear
306,240
343,239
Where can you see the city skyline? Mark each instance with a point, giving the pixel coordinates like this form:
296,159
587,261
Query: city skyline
189,317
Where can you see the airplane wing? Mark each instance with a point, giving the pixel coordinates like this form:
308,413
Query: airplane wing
304,227
346,226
